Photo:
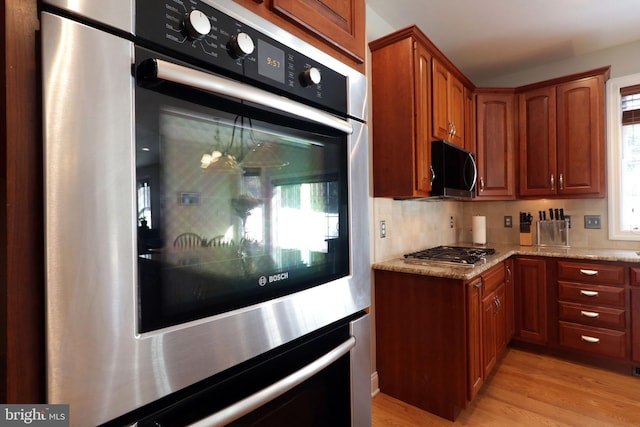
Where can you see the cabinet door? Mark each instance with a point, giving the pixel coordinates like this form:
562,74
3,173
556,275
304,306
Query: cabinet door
441,122
448,106
508,298
580,141
635,314
456,103
537,142
495,146
474,328
469,120
489,333
341,23
422,60
531,299
501,321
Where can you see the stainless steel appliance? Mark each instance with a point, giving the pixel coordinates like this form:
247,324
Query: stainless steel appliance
203,170
454,171
458,256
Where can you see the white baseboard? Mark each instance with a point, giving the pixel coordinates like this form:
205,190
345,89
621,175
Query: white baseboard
374,384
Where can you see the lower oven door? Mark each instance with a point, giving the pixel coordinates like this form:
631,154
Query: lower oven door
318,380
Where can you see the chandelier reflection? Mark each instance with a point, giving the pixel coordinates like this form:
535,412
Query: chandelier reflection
251,152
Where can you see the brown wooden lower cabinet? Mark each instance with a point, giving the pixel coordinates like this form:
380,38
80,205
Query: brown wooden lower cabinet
421,341
530,279
635,314
438,339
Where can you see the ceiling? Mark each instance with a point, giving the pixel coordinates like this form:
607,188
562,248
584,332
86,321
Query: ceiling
489,38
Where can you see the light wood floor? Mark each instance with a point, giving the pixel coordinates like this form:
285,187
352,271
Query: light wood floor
533,390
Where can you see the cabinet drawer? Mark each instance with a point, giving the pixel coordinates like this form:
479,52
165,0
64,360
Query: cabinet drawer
591,294
604,342
591,273
592,315
491,279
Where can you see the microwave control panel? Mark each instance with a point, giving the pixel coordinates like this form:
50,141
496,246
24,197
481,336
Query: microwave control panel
197,33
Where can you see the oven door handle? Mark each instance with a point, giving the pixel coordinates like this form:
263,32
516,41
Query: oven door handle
159,69
250,403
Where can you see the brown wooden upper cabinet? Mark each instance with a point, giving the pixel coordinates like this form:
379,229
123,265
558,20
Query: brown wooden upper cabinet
561,137
448,105
495,144
337,24
406,69
401,87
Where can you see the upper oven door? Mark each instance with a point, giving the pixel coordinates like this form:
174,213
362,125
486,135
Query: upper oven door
242,195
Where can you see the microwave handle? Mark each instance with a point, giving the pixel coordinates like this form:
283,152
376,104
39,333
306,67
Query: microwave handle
475,170
151,69
254,401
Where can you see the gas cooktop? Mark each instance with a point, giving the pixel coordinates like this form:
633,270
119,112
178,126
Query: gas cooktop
460,256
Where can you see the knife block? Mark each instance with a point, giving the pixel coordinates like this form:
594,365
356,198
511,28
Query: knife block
553,233
526,239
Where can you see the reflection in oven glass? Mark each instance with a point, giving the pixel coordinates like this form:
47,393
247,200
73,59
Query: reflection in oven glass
232,212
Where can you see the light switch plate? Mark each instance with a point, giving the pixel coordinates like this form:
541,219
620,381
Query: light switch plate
592,221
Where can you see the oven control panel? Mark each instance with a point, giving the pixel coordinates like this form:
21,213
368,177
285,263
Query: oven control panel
195,32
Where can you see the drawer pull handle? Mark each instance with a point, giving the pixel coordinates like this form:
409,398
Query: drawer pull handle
589,293
587,338
589,272
590,314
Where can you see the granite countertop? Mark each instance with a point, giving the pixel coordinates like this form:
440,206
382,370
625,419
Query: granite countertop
503,252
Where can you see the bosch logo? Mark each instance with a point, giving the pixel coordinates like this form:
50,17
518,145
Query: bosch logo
263,280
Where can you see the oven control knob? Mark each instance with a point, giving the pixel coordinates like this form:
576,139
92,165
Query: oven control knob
311,76
241,45
196,24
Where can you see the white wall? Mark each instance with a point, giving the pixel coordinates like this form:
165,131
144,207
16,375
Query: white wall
624,60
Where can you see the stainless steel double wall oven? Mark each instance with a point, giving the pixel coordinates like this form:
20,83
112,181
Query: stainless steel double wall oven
206,179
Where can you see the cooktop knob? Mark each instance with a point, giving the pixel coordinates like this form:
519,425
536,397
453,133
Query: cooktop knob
311,76
196,24
241,45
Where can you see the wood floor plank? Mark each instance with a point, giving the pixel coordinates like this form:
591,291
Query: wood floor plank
530,389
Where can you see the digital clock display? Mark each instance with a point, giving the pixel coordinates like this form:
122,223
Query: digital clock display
270,61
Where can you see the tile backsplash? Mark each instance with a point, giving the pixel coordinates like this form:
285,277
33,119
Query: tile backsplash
417,224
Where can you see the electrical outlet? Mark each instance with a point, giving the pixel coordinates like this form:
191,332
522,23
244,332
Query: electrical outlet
383,229
451,222
508,221
592,221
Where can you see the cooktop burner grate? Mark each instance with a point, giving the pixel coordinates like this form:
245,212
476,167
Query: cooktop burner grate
456,255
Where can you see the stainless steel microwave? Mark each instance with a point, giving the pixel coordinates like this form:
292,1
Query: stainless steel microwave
454,171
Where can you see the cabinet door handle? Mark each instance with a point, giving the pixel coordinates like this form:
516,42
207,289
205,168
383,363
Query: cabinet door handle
561,181
590,314
589,293
589,272
587,338
553,182
481,184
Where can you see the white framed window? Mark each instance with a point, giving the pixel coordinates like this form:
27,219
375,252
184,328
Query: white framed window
623,98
